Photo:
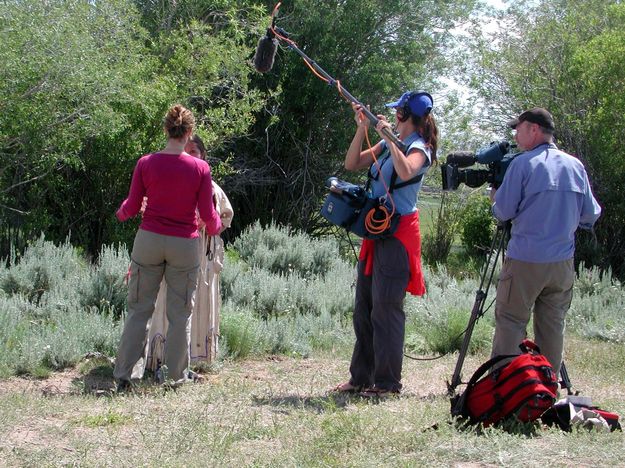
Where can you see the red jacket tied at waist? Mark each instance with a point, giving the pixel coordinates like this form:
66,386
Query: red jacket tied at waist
409,235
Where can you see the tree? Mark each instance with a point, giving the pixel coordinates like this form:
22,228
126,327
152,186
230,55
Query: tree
566,56
84,87
377,50
72,72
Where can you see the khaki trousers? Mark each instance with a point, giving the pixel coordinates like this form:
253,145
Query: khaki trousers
545,288
204,332
154,256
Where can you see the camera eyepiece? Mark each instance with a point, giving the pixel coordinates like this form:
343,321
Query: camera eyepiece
495,152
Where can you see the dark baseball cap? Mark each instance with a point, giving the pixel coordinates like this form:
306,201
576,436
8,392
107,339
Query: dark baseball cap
537,115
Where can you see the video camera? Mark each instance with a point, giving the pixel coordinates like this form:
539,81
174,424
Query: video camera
497,156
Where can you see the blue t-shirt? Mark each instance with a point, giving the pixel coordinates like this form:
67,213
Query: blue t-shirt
547,195
406,197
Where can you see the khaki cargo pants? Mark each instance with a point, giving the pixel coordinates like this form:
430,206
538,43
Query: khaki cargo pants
154,256
544,288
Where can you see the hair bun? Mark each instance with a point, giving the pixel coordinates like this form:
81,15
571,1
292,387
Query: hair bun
179,121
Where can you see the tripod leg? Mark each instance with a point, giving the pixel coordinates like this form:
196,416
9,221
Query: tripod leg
478,306
565,381
464,348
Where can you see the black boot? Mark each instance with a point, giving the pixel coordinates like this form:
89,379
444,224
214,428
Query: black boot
124,386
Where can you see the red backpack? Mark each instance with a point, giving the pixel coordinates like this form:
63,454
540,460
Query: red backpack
526,387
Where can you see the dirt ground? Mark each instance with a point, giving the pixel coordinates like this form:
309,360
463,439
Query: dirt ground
96,380
421,378
59,383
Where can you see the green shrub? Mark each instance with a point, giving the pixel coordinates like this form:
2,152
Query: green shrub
14,327
287,274
238,333
105,289
446,335
68,335
597,306
264,312
42,269
436,244
53,335
233,270
460,264
435,322
243,334
275,295
43,324
281,251
477,225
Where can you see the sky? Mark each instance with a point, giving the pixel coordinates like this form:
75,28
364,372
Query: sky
488,26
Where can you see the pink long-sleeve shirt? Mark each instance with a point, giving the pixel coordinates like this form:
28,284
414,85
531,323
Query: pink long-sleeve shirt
175,184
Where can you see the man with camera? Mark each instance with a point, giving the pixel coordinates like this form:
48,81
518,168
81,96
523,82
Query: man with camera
546,195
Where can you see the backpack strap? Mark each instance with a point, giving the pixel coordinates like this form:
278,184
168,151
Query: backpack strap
459,402
477,375
386,155
526,346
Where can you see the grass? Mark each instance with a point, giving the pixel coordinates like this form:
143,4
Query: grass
277,412
110,418
428,207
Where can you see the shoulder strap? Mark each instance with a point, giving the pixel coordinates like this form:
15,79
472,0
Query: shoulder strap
527,346
386,154
394,185
459,406
415,180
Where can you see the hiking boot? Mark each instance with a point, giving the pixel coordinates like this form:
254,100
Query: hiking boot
124,386
194,376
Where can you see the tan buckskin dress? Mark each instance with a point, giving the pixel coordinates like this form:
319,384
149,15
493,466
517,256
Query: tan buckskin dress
203,326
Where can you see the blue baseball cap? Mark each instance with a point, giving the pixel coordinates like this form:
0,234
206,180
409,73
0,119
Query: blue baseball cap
420,103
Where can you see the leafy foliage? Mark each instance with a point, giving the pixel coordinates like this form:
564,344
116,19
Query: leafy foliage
576,52
280,250
594,310
286,273
437,243
47,320
263,312
83,98
106,290
64,85
44,269
477,225
446,334
377,51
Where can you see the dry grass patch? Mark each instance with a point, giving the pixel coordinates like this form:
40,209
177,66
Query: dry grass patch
278,411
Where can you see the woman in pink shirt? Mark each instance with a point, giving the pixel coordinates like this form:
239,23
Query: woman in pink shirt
166,245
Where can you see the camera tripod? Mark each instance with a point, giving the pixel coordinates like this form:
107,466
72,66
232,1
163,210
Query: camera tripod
496,249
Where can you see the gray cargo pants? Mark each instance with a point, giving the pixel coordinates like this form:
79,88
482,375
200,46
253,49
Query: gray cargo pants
379,319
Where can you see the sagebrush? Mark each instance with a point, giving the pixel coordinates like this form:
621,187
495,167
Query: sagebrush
291,299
